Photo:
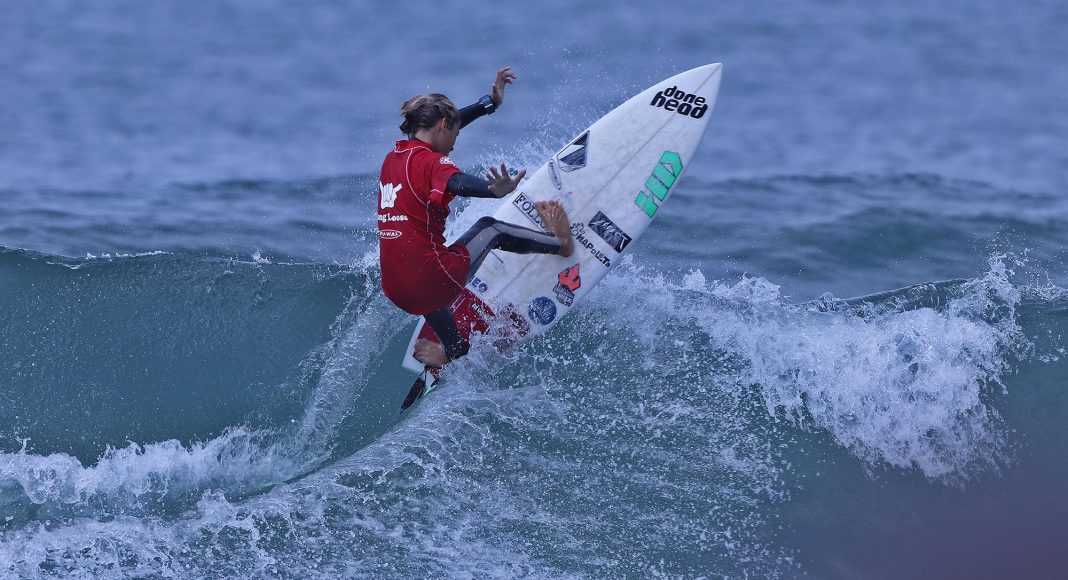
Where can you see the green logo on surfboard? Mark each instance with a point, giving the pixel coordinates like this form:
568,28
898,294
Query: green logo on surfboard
665,173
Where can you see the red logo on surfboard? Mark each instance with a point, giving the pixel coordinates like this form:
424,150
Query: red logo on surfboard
567,282
569,278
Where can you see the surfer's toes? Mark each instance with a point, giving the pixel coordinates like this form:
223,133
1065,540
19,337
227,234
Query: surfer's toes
555,218
567,246
562,230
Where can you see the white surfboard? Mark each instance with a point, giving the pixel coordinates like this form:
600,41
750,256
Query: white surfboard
613,179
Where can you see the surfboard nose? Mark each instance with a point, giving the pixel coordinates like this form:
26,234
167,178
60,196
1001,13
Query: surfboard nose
706,76
707,70
714,72
703,81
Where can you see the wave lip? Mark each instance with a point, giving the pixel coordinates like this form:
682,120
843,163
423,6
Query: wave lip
906,379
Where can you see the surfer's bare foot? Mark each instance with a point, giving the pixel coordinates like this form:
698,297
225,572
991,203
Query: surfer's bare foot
430,353
555,218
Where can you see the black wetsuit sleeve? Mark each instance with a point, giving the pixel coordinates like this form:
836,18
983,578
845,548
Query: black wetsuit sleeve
465,185
472,112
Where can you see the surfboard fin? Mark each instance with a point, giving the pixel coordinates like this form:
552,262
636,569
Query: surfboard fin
417,391
423,385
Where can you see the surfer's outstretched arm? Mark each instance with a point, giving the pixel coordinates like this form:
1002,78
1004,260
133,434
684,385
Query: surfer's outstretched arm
488,103
497,184
483,107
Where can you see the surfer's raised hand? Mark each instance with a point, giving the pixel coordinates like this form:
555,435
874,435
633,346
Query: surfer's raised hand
501,184
505,76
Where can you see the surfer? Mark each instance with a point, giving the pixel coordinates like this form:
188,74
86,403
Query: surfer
420,273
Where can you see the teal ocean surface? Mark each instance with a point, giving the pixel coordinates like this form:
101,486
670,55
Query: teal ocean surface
838,353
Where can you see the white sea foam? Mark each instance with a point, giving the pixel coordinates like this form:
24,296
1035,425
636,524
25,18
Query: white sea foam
910,388
236,460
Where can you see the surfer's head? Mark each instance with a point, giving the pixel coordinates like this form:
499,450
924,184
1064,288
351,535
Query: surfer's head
431,118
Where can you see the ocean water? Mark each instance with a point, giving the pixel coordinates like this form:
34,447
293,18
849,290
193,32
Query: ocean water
839,353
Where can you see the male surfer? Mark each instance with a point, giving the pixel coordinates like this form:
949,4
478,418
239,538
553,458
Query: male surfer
420,274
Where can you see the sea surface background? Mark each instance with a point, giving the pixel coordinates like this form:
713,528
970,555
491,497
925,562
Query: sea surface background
839,352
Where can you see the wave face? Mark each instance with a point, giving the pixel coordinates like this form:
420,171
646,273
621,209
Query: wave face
838,353
158,346
215,417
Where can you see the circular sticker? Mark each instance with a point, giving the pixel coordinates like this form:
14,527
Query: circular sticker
542,310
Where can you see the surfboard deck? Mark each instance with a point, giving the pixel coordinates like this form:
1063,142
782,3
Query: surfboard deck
612,179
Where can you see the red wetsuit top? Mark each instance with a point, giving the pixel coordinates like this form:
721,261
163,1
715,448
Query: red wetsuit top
420,274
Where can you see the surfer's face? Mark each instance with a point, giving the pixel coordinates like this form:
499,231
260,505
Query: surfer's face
446,137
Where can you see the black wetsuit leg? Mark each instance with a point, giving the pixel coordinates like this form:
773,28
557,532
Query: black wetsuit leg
490,234
444,325
487,234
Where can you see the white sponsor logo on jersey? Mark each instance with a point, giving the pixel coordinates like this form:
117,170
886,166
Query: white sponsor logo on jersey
389,193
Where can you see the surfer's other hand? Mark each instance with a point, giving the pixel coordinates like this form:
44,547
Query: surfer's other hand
501,184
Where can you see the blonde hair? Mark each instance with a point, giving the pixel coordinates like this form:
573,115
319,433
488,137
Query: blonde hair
424,111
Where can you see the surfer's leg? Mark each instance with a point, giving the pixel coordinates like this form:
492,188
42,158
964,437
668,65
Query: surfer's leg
490,234
443,324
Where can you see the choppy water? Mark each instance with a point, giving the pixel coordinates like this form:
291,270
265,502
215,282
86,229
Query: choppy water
838,354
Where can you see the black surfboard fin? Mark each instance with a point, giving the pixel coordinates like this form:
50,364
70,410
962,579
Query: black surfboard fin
423,385
417,391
